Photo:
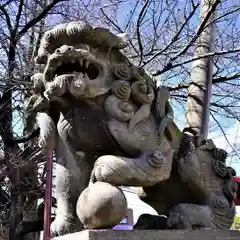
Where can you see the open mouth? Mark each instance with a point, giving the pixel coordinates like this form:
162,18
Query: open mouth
81,66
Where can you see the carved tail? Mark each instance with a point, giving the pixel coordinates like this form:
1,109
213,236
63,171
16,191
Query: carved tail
223,206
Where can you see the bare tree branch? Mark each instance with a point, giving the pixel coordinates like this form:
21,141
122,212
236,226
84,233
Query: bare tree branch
190,43
171,66
6,3
223,132
117,28
175,37
215,81
199,31
40,16
138,30
237,9
19,13
225,78
8,20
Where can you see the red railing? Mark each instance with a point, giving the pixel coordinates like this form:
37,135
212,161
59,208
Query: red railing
237,201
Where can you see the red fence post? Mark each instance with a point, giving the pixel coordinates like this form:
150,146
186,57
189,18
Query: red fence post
48,198
237,201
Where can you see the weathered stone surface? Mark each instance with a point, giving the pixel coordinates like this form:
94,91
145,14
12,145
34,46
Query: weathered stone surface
152,235
101,205
92,99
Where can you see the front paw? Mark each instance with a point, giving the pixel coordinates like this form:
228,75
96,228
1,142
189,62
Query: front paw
61,226
149,169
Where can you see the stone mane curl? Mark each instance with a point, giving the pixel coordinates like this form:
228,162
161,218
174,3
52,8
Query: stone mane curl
78,32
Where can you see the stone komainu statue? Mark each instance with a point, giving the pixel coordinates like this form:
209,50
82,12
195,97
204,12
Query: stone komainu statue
107,121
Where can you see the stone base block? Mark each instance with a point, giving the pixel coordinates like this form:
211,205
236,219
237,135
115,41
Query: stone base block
152,235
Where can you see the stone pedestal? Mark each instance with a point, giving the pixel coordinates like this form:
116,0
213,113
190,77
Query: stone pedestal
152,235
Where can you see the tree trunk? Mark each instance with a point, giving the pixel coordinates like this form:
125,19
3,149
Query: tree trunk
200,89
10,148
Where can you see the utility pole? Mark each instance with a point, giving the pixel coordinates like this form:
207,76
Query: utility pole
200,88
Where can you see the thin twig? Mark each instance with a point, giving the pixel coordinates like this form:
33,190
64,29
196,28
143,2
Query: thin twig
171,66
201,28
219,125
215,81
175,37
40,16
138,30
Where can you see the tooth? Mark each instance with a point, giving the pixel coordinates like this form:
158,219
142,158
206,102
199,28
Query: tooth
86,76
80,61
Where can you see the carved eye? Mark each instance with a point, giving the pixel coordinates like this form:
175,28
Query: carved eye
57,50
48,35
69,49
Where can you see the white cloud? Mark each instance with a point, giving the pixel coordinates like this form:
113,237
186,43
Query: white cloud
233,137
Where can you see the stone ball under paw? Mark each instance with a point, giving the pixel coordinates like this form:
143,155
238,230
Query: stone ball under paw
101,205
